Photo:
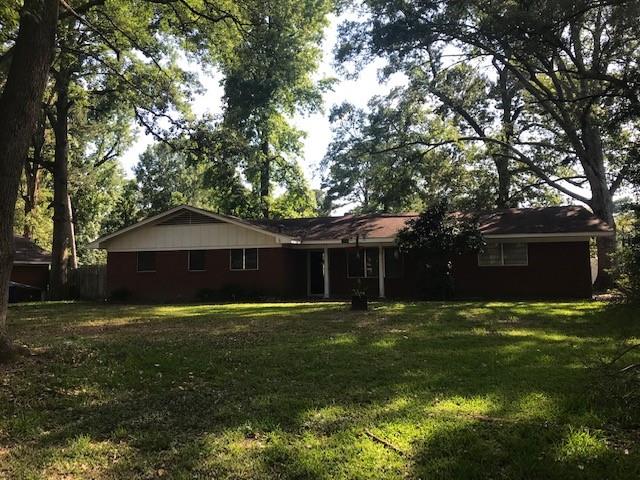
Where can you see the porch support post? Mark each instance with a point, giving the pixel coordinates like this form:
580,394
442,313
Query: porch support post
325,267
381,271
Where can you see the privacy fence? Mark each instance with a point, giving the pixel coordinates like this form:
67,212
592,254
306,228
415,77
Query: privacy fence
89,282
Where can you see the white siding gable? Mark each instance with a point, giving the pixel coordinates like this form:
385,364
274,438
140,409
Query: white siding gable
186,237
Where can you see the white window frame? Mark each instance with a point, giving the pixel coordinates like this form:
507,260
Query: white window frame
364,264
244,260
138,261
189,261
502,264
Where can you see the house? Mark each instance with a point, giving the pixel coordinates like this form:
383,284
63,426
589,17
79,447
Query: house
30,272
186,252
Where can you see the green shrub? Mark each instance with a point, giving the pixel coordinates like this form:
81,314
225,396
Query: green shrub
627,260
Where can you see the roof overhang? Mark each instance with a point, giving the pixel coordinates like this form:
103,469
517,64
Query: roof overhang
99,243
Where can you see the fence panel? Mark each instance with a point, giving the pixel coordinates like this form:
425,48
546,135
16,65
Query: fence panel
89,282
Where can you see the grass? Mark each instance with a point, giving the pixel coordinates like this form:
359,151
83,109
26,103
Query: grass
310,390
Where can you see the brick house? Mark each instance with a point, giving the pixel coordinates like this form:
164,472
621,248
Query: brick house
185,251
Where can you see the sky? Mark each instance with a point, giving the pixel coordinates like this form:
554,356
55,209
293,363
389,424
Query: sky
316,126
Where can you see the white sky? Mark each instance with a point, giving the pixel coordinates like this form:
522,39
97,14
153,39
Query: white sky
316,126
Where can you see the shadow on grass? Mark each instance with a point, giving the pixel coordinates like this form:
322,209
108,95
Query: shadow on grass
286,391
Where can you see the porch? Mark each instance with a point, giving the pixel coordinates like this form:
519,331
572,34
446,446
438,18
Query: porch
336,271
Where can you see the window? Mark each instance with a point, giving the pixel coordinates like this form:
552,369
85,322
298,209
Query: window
197,261
362,263
392,262
244,259
504,254
146,261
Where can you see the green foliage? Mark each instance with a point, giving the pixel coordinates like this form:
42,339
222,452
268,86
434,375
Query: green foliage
37,220
435,238
385,160
95,192
268,77
125,211
627,257
573,100
166,180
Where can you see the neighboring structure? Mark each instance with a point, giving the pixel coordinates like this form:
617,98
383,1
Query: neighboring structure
30,272
187,252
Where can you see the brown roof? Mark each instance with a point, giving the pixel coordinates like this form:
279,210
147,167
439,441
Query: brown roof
29,252
336,228
542,220
512,221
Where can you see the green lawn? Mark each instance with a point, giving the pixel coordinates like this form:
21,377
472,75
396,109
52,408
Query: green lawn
311,390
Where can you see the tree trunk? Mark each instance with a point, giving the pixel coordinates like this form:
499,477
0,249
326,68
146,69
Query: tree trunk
507,93
20,105
61,220
32,170
504,183
601,199
265,180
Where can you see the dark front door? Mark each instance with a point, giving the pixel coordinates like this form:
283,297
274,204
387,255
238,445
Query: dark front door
316,273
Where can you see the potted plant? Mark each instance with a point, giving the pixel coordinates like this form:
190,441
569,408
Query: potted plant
359,298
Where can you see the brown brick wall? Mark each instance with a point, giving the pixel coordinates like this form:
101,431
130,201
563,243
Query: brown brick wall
555,270
280,274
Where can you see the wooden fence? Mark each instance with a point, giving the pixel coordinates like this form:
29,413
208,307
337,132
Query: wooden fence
89,282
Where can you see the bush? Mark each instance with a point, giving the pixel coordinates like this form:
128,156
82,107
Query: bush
436,237
627,261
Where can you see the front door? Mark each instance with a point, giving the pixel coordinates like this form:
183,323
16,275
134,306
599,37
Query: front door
316,273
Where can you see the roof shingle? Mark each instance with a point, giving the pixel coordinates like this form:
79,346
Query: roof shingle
29,252
512,221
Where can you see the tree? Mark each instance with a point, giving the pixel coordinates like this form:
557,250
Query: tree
166,179
269,77
20,104
627,265
574,60
435,238
396,155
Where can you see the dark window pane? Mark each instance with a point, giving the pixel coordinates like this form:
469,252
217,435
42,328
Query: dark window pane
146,261
372,262
196,260
251,259
491,255
236,259
392,263
355,263
515,254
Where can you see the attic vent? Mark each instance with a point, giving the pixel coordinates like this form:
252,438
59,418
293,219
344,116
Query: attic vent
187,217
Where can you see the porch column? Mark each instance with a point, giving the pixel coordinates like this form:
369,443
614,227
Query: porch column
381,271
325,268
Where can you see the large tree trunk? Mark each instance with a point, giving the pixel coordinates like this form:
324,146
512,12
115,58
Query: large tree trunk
61,219
19,107
265,180
507,91
601,199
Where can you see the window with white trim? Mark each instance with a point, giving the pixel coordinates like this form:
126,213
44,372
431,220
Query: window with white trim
504,255
362,263
243,259
197,262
